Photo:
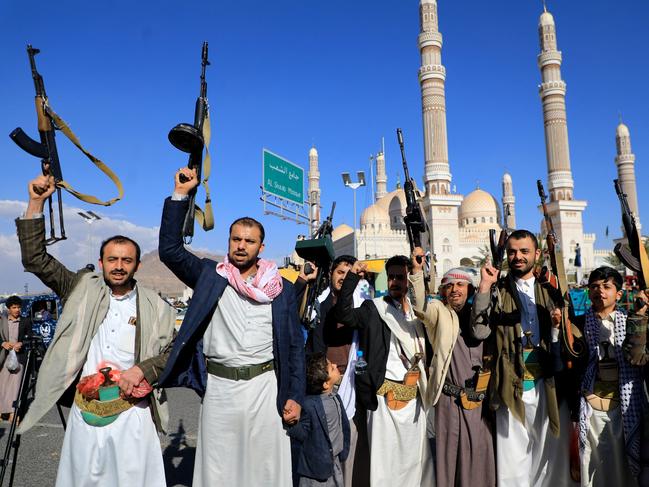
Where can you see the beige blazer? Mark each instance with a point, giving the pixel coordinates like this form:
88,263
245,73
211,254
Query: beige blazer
442,327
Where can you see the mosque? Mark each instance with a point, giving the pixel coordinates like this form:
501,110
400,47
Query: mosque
459,225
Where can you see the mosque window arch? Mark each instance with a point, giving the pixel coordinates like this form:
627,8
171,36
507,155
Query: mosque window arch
484,220
475,220
446,246
491,219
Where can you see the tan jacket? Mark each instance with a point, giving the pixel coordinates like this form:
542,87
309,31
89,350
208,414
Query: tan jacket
442,327
87,298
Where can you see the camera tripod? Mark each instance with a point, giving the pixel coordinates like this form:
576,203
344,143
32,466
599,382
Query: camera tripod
21,404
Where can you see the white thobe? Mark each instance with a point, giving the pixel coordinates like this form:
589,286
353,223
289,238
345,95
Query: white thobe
400,453
529,454
125,453
241,440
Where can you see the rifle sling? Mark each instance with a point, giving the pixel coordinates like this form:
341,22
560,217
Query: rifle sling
206,217
61,125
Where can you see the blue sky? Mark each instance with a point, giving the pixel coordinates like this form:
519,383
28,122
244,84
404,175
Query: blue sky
340,75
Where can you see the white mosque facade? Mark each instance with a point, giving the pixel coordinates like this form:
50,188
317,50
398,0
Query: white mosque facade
459,225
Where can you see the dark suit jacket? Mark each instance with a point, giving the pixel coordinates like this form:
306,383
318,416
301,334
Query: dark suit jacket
373,340
186,365
315,459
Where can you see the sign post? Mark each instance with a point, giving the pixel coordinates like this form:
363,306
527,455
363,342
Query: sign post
283,187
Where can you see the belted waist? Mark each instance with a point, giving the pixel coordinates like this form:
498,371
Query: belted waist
244,372
457,391
399,390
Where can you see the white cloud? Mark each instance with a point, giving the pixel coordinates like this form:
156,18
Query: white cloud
80,248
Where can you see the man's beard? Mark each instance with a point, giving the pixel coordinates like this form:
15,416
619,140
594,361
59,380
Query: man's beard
456,305
522,271
245,265
109,276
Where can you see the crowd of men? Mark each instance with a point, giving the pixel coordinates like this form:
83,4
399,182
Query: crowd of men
470,388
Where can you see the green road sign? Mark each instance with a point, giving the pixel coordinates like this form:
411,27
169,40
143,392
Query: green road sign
282,178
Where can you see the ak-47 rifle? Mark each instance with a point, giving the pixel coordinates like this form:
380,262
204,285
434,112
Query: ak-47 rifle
573,348
414,220
633,255
192,139
46,151
320,251
497,246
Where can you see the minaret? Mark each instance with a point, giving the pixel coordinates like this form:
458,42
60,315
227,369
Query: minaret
509,212
625,162
566,212
432,75
381,177
314,190
553,98
440,205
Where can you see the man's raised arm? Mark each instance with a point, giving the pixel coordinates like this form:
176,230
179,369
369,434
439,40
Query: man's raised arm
31,235
482,302
185,265
344,311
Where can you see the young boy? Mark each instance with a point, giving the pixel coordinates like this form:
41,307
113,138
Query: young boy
612,403
323,429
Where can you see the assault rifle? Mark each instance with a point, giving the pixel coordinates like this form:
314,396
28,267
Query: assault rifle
559,280
192,139
497,245
414,220
633,255
45,150
320,251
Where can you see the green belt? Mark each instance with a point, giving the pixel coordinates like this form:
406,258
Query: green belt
245,372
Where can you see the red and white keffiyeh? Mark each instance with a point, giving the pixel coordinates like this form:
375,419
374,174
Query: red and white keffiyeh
264,287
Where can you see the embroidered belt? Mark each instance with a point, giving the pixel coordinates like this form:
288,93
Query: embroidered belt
457,391
102,413
245,372
399,390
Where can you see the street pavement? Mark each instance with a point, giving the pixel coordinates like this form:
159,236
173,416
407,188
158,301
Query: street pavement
40,447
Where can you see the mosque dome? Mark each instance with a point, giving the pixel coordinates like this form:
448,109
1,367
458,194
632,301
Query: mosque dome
622,130
546,19
479,208
313,152
388,200
341,231
376,215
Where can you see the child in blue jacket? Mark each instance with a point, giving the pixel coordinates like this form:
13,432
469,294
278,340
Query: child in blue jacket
323,429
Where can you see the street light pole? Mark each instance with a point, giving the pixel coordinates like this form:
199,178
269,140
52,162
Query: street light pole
89,217
347,181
